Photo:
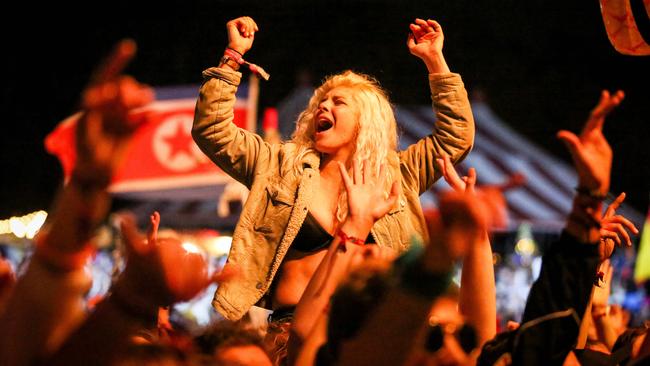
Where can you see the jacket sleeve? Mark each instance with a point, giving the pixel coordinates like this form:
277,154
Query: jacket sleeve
556,303
453,132
565,280
235,150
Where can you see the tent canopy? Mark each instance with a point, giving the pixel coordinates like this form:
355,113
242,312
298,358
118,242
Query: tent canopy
543,201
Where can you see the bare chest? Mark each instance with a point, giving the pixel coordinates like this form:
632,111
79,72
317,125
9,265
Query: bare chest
323,205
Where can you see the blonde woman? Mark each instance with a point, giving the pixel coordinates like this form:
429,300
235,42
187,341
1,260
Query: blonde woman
297,202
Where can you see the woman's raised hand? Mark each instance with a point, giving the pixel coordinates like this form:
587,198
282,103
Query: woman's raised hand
366,200
425,41
241,33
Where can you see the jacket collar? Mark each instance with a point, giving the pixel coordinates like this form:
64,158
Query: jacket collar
311,160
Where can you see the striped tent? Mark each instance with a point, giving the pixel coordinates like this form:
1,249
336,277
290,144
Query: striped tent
543,201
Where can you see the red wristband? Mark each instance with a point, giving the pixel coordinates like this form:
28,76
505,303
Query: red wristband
231,54
234,55
345,238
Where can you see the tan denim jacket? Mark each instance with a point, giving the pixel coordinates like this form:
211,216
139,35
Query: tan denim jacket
280,195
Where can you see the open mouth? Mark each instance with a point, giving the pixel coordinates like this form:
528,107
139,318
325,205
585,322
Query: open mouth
323,125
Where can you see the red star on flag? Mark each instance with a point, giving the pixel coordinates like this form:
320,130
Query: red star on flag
180,142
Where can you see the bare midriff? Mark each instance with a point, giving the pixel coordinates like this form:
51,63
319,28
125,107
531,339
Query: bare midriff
295,272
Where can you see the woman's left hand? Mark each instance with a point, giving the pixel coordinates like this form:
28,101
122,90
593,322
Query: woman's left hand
366,201
425,41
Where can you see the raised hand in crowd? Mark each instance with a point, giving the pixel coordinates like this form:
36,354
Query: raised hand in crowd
102,135
241,34
47,303
591,153
600,308
366,200
425,41
477,298
159,272
592,158
614,226
569,266
490,196
109,103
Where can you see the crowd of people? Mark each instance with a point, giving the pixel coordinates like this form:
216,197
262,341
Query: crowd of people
332,240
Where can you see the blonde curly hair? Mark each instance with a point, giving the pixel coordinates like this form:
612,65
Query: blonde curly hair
376,133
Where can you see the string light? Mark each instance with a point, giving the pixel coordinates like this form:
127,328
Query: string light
219,246
23,226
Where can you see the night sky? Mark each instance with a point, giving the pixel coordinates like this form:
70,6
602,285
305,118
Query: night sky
541,65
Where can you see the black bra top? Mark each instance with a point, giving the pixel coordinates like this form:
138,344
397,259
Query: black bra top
312,237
